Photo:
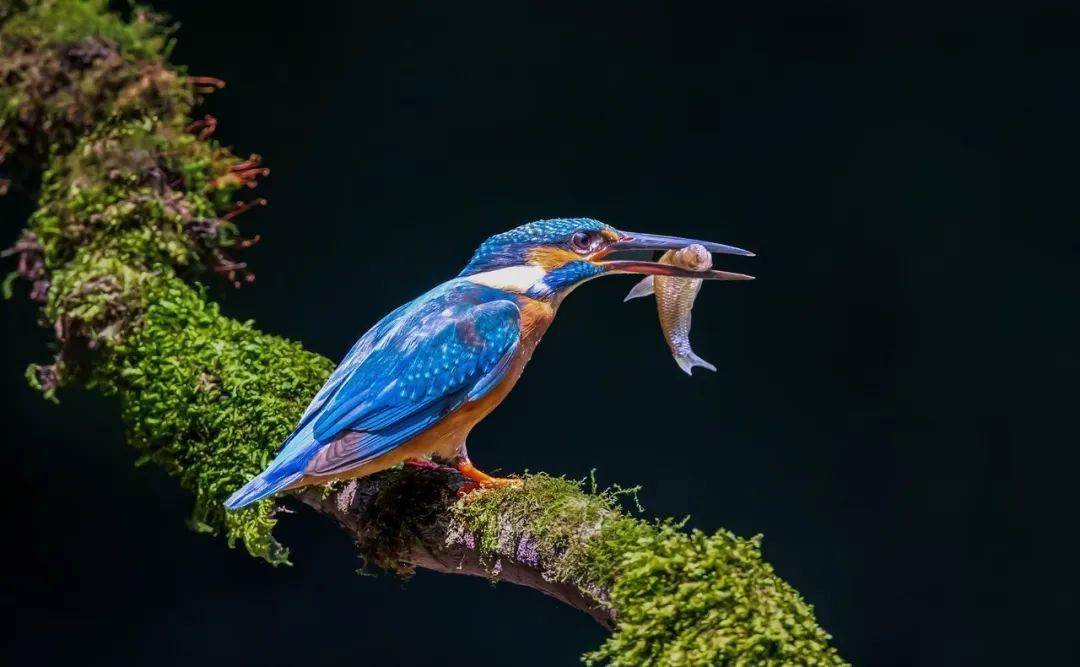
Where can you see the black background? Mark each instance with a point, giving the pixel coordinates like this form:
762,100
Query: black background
895,404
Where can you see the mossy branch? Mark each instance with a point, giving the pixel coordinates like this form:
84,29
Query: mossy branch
135,204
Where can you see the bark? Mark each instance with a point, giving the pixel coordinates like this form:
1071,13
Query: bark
435,546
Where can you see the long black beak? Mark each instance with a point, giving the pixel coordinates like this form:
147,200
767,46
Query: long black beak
638,241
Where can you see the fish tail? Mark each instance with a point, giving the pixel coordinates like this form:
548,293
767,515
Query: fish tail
643,288
687,361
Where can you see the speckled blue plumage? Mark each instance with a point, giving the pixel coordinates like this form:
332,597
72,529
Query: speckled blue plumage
509,248
418,364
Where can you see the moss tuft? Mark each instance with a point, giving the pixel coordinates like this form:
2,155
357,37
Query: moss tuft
549,521
209,398
144,190
679,598
67,65
65,22
132,199
697,599
134,207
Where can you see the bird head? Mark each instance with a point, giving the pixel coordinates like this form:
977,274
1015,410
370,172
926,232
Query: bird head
548,258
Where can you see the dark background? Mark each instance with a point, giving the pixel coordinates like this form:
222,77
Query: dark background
895,407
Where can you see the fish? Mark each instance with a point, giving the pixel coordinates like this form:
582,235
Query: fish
675,301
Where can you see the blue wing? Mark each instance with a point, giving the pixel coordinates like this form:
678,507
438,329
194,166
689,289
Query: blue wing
417,365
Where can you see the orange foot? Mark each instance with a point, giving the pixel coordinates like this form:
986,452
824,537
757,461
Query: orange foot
482,479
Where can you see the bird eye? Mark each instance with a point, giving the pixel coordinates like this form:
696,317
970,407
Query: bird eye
582,242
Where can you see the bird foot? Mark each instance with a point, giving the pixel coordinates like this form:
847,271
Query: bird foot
482,480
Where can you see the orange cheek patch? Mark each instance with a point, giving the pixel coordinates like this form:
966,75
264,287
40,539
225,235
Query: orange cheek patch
551,257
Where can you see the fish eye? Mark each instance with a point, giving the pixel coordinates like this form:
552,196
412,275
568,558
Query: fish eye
583,242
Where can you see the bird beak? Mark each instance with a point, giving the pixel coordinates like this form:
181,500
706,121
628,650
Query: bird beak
639,241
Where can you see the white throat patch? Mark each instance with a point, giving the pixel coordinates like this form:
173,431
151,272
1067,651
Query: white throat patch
512,278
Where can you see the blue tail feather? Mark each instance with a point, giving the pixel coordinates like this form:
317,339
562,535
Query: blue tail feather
260,487
287,468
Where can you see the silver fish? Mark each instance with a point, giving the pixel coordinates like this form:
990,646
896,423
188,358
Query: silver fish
674,301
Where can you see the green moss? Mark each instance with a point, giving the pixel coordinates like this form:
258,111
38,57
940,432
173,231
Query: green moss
206,397
136,188
94,297
697,599
10,8
550,518
209,398
67,65
130,199
679,598
64,22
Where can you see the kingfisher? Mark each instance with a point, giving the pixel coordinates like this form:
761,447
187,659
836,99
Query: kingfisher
414,386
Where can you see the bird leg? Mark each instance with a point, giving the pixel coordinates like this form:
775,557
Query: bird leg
482,479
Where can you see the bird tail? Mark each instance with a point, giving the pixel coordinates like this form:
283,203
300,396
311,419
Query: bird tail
688,360
263,485
286,469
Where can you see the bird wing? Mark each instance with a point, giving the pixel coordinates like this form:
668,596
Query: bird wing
435,355
355,356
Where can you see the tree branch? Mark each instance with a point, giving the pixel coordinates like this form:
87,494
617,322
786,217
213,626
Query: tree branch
136,202
438,545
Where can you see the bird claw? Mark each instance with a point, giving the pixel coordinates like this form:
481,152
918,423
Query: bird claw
483,480
490,483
